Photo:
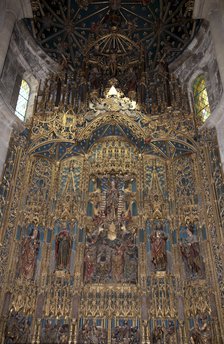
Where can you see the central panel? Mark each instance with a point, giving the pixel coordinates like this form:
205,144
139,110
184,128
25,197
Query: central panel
111,253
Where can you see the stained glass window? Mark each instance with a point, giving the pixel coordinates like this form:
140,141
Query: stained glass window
201,102
22,101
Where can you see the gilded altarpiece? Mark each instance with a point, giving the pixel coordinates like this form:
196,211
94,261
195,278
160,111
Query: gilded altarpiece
111,228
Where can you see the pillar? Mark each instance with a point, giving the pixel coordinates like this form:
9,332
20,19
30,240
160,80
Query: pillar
5,133
10,12
213,12
217,31
5,35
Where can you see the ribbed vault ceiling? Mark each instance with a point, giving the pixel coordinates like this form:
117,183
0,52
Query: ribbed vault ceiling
113,33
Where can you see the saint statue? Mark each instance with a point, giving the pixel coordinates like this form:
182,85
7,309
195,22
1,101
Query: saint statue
117,264
158,249
63,246
190,251
28,258
89,262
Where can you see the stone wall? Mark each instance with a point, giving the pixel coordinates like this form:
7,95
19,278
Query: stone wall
200,58
24,60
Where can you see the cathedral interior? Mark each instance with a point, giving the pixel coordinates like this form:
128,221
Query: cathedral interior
111,164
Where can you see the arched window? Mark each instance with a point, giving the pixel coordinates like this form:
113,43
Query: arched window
22,102
201,102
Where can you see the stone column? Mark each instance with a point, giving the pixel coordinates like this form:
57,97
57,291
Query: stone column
213,11
217,30
5,133
11,11
5,35
216,22
8,121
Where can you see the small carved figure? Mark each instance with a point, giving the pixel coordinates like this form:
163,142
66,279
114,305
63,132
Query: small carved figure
113,64
201,334
126,334
118,264
158,335
17,329
55,333
95,78
89,261
158,249
170,332
28,257
131,83
92,334
142,89
115,4
83,3
82,87
63,247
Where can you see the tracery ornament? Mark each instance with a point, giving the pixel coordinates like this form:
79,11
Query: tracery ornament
14,171
209,139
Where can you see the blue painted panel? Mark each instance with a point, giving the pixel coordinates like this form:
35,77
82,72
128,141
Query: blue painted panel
204,234
134,209
89,209
49,234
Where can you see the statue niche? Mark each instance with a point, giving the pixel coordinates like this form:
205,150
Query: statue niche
29,252
190,251
63,246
